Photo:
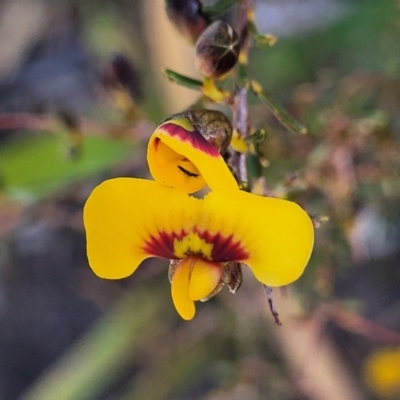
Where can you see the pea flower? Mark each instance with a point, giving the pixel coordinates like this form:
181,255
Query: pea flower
382,373
180,155
128,220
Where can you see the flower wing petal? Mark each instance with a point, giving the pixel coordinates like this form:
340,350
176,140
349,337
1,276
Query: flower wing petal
180,290
128,220
273,236
179,156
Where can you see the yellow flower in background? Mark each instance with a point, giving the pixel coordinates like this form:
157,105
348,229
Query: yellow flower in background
128,220
180,157
382,372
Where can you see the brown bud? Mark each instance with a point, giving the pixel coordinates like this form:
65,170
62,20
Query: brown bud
188,17
120,73
233,276
217,50
213,125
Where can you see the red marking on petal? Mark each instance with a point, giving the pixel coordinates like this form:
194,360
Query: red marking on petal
224,248
194,137
162,245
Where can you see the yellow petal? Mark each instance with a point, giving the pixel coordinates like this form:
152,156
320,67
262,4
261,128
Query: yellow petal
212,91
180,290
382,372
274,237
179,156
238,143
128,220
204,278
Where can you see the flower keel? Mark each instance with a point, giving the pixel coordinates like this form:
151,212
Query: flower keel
193,279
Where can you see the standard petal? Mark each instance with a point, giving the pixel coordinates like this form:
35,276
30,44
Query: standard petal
180,289
128,220
179,156
274,237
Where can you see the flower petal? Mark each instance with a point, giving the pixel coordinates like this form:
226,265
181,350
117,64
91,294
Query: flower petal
204,278
128,220
382,372
179,156
238,143
274,237
180,290
123,215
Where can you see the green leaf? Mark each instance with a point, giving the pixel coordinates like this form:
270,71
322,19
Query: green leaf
260,39
182,79
218,8
256,137
97,360
39,164
280,113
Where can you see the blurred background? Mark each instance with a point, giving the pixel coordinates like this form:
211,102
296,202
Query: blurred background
66,124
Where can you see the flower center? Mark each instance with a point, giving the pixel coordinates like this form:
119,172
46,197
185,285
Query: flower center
192,245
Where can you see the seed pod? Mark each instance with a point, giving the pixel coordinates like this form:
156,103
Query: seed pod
217,50
188,17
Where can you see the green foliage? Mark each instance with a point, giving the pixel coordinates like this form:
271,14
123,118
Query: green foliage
342,82
38,165
218,8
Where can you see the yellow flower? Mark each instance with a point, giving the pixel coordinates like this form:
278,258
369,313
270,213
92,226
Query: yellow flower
382,372
180,157
128,220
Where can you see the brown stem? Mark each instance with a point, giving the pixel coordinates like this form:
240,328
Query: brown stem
240,118
37,122
360,325
241,23
24,121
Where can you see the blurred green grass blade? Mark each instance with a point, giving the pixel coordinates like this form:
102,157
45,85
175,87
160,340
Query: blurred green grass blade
165,380
97,360
38,165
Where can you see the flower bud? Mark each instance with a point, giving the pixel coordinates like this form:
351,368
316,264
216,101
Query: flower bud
213,125
120,73
187,17
217,50
233,276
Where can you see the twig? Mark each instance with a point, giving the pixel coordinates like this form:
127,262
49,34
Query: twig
240,117
319,371
357,324
39,122
268,291
26,121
